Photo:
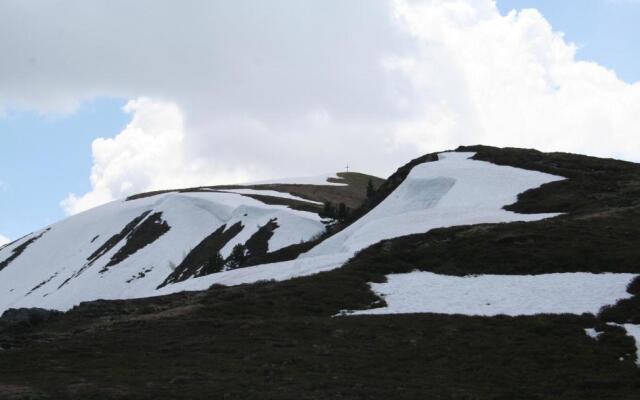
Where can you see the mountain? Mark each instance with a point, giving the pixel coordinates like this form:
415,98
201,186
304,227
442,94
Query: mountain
479,273
134,247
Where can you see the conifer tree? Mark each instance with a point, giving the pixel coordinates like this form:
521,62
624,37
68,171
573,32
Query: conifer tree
328,210
343,212
370,189
215,263
237,257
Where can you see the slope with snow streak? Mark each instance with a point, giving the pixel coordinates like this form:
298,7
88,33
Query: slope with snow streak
490,295
455,190
267,192
57,270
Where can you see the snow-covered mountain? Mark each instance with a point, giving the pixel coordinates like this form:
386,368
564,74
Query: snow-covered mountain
130,248
144,246
505,266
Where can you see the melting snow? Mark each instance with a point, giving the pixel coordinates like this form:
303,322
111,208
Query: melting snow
452,191
592,333
489,295
272,193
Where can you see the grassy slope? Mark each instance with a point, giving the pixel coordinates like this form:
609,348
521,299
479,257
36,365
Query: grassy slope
279,341
352,194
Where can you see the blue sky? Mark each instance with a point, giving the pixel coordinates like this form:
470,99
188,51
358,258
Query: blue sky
44,157
606,31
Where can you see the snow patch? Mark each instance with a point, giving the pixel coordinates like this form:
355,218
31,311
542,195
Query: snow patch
592,333
490,295
272,193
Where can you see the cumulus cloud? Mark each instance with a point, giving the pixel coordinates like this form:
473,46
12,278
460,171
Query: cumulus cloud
4,240
149,153
511,81
227,91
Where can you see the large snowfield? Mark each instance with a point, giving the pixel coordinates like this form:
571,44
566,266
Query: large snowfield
37,277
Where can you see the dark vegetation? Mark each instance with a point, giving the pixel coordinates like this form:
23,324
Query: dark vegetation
258,243
338,212
215,263
202,254
140,274
15,253
144,233
351,193
238,257
115,239
592,184
286,253
281,340
26,317
206,259
196,355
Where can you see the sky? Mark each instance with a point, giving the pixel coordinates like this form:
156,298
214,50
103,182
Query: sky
103,99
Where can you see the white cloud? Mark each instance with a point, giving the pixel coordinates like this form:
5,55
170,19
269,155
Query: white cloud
511,81
4,240
250,89
148,154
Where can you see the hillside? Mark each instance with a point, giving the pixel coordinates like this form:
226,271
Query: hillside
495,274
134,247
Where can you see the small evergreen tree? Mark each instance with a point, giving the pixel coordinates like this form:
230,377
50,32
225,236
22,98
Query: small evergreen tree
343,212
215,263
328,210
237,257
370,189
